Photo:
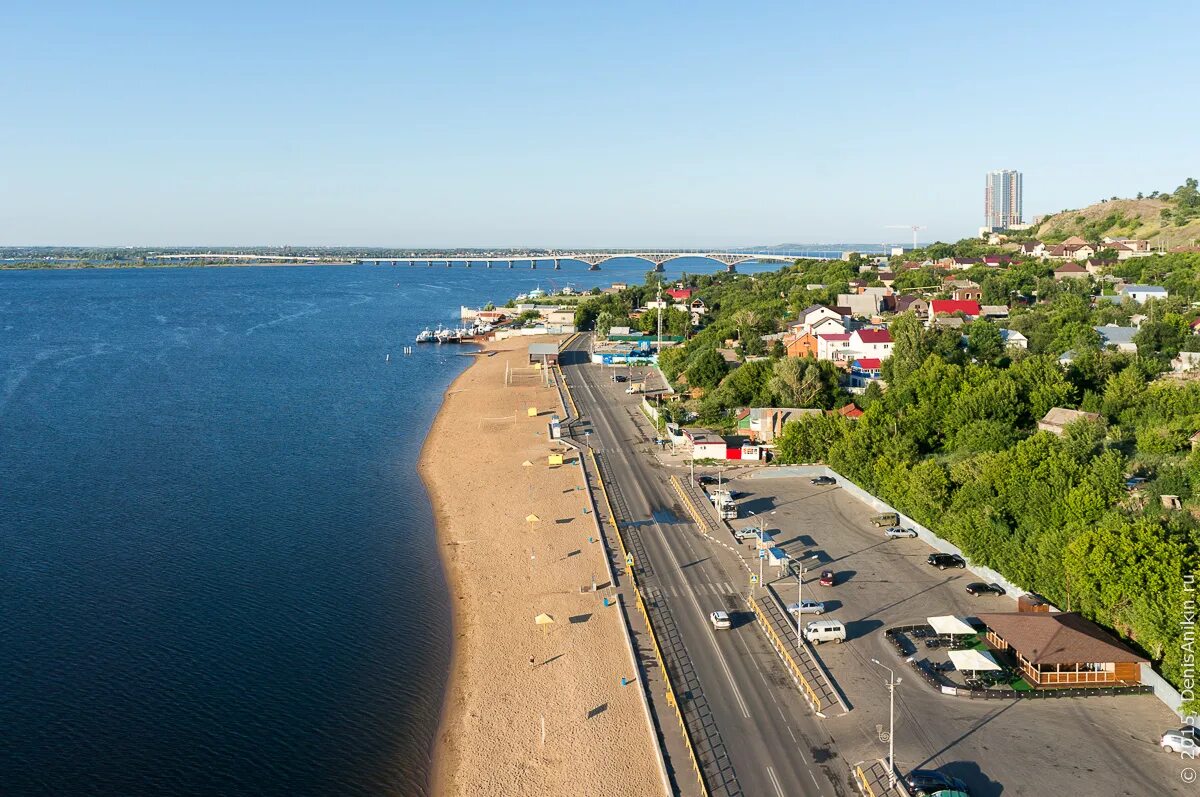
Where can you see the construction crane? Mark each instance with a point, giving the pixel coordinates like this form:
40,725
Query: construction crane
913,227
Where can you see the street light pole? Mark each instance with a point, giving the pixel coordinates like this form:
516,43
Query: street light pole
892,682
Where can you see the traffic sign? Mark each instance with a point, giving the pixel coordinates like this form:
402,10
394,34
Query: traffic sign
629,560
762,554
753,579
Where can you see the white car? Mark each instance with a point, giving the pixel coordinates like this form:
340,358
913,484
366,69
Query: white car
895,532
806,607
720,620
1181,741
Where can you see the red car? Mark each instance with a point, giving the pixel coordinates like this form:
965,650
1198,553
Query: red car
826,578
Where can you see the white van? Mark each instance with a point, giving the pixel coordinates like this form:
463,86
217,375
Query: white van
820,631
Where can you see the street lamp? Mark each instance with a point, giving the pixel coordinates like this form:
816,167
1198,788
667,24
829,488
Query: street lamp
892,682
800,594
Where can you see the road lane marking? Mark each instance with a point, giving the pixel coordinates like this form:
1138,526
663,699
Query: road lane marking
775,782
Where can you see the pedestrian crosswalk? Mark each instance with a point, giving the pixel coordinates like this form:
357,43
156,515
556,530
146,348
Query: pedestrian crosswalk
709,588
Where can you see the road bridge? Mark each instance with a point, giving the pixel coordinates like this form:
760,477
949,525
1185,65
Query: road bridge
593,259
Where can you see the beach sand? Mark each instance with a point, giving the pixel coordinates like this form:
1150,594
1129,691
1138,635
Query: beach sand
503,571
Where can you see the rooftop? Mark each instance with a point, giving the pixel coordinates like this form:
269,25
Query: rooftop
1058,638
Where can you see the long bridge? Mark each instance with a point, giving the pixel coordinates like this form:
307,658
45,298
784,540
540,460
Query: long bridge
593,260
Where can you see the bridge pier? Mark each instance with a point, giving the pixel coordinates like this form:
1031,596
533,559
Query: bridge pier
658,268
557,266
594,267
467,263
488,263
510,264
731,269
532,263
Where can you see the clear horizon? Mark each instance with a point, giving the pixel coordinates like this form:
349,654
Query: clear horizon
626,125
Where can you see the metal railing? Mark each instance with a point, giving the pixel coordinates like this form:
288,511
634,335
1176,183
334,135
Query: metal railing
805,687
690,506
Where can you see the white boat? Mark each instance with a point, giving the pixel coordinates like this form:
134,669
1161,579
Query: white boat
426,336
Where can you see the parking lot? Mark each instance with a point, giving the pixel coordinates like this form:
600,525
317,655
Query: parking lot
1078,745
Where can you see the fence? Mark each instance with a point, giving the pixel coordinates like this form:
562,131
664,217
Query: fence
786,655
699,517
658,657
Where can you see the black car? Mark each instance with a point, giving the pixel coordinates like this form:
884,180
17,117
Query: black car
703,480
619,378
943,560
824,480
979,588
929,781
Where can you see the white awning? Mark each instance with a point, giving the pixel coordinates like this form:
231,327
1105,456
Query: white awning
973,660
949,624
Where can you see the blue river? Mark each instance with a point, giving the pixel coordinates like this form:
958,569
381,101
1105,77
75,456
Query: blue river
218,569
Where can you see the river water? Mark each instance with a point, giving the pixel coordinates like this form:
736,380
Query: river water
217,563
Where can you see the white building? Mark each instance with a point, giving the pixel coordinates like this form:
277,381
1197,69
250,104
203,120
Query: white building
1140,293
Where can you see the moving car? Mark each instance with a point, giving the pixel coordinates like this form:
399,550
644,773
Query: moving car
703,480
826,579
720,620
633,389
806,607
1181,741
748,533
929,781
619,377
943,560
896,532
820,631
979,588
824,480
886,519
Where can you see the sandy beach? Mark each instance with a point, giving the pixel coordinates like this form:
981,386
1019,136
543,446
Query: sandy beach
504,570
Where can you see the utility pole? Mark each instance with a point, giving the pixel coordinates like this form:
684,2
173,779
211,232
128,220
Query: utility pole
893,682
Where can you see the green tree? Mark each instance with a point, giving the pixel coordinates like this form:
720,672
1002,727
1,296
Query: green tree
984,342
707,369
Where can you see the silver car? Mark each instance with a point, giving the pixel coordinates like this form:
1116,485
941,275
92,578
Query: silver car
748,533
806,607
896,532
720,620
1182,741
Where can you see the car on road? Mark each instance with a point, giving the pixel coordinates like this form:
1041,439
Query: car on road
943,560
896,532
823,480
633,389
979,588
748,533
806,607
1181,741
923,782
619,378
720,620
826,579
703,480
820,631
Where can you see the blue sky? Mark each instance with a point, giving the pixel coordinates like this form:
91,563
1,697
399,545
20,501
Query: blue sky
578,124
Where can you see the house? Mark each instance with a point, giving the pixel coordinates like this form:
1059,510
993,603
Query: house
697,307
1140,293
1186,362
1074,240
993,310
704,443
872,343
1032,249
914,303
960,263
939,307
1062,649
764,424
1195,325
861,304
801,345
995,261
679,294
1013,339
1066,358
543,353
863,372
834,347
1070,271
964,290
1121,338
1058,418
1095,267
849,411
887,278
1071,251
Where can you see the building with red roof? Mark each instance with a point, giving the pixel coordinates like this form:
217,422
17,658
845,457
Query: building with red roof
679,294
939,307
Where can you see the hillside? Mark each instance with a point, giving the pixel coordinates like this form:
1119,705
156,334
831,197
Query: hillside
1130,218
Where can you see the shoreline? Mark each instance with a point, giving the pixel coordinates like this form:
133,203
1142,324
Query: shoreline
484,466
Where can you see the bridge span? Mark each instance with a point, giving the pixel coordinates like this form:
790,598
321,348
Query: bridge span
593,259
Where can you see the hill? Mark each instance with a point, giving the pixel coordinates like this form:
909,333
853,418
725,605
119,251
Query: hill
1168,219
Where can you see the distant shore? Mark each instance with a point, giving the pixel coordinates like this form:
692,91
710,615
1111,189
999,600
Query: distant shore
516,543
93,266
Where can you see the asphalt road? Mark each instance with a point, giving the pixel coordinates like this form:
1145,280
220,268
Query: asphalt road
755,733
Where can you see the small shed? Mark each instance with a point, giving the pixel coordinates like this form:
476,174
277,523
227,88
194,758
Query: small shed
776,557
543,353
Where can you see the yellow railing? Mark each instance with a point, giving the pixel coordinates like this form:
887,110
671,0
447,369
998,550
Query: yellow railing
863,781
696,514
786,654
662,668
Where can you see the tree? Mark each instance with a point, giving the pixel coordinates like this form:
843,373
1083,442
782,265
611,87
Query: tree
909,348
803,382
984,342
604,322
707,369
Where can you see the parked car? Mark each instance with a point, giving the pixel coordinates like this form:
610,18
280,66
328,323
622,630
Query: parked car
1180,741
720,620
619,378
822,480
806,607
748,533
979,588
943,560
886,519
896,532
826,579
820,631
703,480
922,782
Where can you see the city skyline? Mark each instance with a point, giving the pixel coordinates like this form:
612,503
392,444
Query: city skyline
627,125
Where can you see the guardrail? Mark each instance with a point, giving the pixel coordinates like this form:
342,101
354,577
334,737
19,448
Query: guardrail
805,687
863,782
637,591
688,504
